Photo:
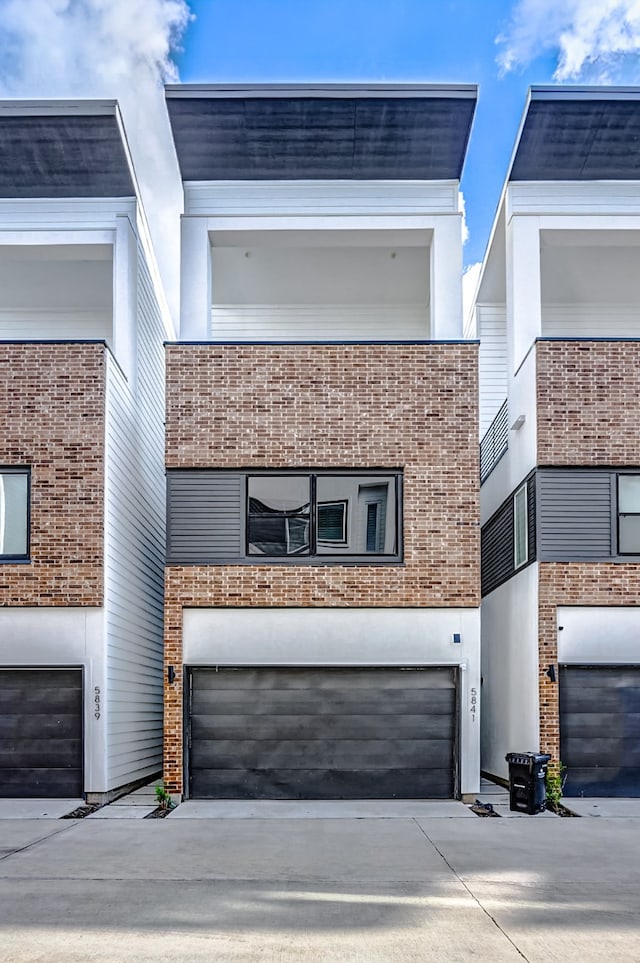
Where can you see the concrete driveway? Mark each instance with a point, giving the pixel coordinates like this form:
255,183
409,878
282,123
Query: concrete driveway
373,889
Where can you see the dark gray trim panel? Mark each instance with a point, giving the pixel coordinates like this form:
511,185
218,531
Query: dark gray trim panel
41,751
600,729
497,561
205,516
574,514
322,733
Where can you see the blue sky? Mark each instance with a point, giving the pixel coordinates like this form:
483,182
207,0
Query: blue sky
377,40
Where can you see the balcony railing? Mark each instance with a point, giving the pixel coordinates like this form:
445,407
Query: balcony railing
495,442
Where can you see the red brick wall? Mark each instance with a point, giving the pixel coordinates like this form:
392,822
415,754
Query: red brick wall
588,398
573,583
52,402
329,406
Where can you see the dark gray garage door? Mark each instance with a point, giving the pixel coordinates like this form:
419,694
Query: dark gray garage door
600,729
322,733
41,728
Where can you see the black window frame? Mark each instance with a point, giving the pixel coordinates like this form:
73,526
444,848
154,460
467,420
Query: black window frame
620,514
313,557
6,558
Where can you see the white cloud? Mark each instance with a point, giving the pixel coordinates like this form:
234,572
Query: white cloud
594,40
109,49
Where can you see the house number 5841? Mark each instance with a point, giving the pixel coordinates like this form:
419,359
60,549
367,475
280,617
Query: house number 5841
96,702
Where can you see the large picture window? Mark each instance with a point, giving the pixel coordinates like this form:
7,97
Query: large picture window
322,514
14,514
629,514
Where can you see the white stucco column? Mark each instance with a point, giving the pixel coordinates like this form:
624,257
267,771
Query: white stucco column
195,279
446,278
524,294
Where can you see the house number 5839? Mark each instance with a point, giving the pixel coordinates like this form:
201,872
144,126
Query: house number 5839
96,702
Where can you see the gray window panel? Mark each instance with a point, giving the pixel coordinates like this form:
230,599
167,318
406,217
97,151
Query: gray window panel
629,493
278,516
629,534
574,520
14,514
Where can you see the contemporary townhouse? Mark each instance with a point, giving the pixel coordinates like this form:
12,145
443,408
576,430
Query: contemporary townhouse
82,326
322,582
558,317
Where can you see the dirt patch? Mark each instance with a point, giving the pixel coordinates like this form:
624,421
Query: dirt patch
83,811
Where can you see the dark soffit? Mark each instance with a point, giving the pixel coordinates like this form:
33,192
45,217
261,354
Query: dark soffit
328,133
586,134
66,154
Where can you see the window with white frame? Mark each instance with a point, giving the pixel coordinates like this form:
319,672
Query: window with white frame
520,527
629,514
14,514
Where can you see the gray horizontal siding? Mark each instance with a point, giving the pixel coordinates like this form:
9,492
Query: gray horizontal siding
574,514
497,541
205,520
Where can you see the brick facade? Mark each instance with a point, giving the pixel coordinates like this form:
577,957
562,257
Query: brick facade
588,402
52,411
410,406
573,583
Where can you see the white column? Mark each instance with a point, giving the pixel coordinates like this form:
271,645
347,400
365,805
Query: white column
125,297
524,295
195,280
446,279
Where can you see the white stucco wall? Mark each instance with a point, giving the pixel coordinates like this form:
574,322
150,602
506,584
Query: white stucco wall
510,707
599,634
349,637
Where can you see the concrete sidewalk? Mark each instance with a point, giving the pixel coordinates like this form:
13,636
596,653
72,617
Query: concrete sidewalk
286,890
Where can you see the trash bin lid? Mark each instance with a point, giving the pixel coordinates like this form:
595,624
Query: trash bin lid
527,758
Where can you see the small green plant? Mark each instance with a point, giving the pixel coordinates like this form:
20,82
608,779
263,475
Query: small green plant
555,780
163,798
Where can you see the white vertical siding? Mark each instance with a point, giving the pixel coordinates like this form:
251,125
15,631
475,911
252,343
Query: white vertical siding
492,331
134,540
591,320
318,322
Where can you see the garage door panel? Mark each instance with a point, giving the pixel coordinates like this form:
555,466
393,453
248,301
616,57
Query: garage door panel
41,783
322,733
622,752
39,725
597,724
41,752
324,702
37,752
306,727
605,781
600,730
342,679
323,784
320,754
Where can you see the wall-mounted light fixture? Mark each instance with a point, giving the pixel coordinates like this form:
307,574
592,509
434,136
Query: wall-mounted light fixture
171,674
551,673
518,423
457,638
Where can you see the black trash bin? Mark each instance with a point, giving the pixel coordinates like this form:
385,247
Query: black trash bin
527,787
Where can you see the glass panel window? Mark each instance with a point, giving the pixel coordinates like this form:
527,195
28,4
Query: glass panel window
629,514
14,514
520,526
322,514
278,516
